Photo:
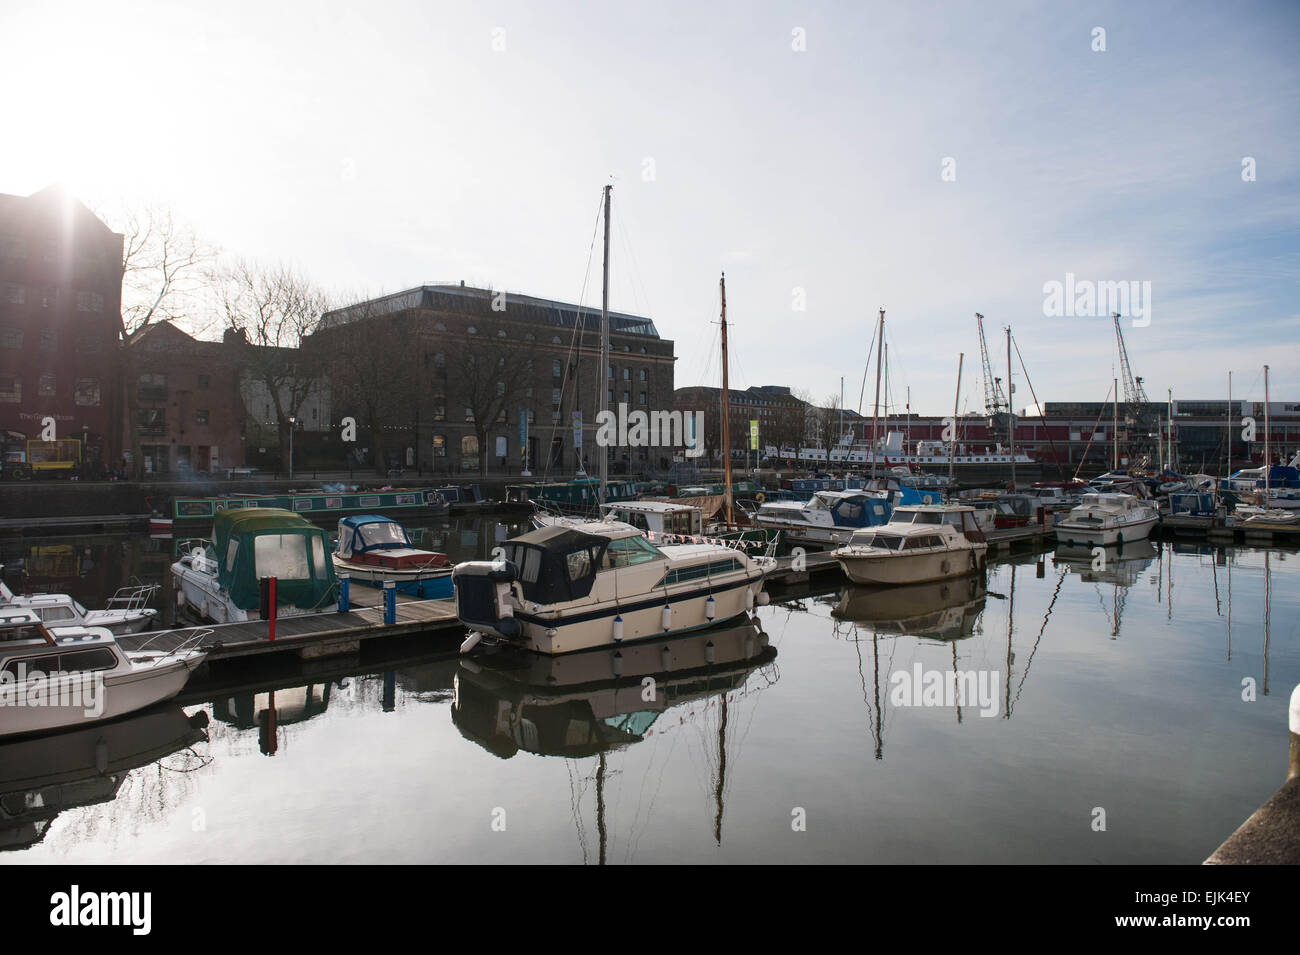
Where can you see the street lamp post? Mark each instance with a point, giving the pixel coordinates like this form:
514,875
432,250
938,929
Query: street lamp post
292,420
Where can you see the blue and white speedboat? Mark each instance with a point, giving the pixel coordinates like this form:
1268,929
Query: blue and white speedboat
830,517
372,550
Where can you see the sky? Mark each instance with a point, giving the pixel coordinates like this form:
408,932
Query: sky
933,159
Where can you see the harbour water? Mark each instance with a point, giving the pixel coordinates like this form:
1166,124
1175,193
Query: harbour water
1125,714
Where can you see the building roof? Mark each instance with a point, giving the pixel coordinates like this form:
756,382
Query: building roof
470,300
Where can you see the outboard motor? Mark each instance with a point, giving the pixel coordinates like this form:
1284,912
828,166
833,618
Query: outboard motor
482,592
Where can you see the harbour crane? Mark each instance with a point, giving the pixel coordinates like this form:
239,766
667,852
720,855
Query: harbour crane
1140,424
996,407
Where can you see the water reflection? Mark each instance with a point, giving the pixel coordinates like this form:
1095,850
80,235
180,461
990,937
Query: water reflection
42,777
941,610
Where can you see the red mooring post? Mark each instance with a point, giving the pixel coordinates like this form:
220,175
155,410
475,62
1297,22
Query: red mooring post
267,604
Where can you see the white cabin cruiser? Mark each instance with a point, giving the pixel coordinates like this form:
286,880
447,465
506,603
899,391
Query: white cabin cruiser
1105,518
920,543
127,610
71,676
563,588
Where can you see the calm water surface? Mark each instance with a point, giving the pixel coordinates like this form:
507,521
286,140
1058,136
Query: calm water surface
1118,689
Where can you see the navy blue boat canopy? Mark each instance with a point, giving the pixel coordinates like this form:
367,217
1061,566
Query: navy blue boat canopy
366,532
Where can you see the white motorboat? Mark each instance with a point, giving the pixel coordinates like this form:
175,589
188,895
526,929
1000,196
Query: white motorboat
52,678
562,588
920,543
1106,518
127,610
1249,515
828,518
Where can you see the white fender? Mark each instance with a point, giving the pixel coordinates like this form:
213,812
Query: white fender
667,617
472,641
618,628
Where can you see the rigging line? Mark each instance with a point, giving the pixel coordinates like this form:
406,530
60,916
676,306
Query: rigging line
634,272
1041,630
1052,444
871,348
579,328
1093,435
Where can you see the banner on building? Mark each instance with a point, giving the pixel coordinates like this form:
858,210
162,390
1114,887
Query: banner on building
753,434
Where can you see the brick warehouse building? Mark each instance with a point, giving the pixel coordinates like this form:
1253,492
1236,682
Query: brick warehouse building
60,320
439,376
189,414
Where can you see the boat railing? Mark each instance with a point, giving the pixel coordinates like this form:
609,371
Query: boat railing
192,642
134,597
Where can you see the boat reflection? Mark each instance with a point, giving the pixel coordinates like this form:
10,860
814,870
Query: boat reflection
940,610
1120,564
581,704
42,777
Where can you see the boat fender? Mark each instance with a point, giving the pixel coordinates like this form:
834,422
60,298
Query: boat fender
667,618
764,598
618,628
710,608
472,641
760,497
749,599
945,566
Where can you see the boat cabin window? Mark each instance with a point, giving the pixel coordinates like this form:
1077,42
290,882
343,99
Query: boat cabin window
887,541
52,614
922,541
578,563
318,558
531,566
629,551
382,535
682,522
281,555
94,658
231,549
21,633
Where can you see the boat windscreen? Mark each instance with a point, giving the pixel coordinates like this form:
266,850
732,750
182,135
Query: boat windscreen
383,535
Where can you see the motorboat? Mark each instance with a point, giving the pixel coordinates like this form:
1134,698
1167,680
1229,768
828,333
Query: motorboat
43,776
53,678
1252,516
920,543
127,611
585,703
1108,518
217,579
668,522
374,550
940,609
560,589
827,518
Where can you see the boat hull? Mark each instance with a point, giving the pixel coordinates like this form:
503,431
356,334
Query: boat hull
122,693
885,568
422,584
1069,532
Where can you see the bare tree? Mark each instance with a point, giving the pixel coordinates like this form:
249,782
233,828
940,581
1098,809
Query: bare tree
163,265
274,308
828,424
494,370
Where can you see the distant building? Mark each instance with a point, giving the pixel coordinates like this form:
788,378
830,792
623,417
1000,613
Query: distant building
189,416
60,322
413,371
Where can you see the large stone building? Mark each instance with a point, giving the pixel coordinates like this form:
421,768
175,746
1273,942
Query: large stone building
445,377
60,321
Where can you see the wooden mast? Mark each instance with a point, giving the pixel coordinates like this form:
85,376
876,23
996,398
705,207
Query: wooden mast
726,407
875,411
604,351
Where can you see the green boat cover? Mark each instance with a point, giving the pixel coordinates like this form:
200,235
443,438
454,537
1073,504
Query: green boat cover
256,542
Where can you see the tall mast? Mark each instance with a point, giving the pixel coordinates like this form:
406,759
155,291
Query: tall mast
1268,457
1227,469
1170,456
604,350
956,403
1011,411
875,411
1114,427
726,406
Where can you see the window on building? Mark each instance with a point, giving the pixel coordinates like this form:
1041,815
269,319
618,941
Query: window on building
555,368
49,339
12,293
472,330
532,416
87,392
439,445
643,375
611,373
439,327
204,382
439,360
11,388
13,247
555,397
555,340
501,333
627,396
45,386
11,337
153,387
49,296
501,388
201,416
627,374
469,452
152,420
641,399
439,407
469,414
89,344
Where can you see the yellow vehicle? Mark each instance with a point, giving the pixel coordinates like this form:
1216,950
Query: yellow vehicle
53,458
